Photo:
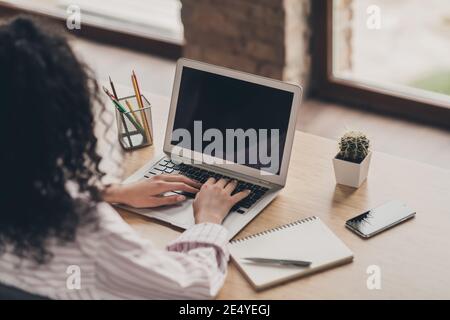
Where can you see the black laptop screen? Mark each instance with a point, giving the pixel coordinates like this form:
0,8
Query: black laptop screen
232,119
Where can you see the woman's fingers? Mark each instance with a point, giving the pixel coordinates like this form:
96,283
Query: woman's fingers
222,182
210,181
231,186
179,178
164,186
240,196
167,200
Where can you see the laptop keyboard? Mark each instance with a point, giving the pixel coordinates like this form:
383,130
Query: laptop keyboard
166,166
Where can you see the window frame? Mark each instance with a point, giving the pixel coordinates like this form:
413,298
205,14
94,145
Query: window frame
360,95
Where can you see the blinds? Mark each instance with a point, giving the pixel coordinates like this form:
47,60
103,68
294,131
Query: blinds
156,15
154,18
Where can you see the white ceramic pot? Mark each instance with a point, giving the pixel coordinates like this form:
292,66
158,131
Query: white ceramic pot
351,174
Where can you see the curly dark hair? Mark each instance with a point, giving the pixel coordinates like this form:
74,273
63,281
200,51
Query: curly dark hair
47,139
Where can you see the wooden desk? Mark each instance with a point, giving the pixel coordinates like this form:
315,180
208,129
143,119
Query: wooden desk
414,257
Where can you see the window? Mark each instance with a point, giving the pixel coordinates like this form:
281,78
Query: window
159,19
391,56
398,45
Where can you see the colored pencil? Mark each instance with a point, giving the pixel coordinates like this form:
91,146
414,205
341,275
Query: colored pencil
118,106
123,110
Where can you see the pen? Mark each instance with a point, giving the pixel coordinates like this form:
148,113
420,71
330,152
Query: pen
284,262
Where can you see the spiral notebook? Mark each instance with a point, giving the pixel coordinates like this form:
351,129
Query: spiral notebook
307,239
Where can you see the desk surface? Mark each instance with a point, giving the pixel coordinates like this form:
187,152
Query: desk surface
414,257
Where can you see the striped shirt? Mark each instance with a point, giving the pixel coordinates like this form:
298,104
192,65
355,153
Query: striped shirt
114,262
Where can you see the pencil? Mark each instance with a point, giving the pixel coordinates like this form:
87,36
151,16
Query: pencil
113,89
136,93
137,90
141,105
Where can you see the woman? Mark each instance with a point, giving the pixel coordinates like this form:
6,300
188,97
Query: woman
54,215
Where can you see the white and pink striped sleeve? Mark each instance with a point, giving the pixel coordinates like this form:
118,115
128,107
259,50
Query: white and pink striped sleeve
194,266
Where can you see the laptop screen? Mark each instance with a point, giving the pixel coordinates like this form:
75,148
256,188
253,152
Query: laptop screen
231,119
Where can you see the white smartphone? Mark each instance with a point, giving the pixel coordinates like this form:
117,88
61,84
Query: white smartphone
379,219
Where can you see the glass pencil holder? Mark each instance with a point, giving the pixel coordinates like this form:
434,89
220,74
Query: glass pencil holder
134,124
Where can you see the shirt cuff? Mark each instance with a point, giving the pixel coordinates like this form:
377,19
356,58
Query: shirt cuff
201,235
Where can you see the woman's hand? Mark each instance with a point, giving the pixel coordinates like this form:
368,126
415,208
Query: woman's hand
148,193
214,200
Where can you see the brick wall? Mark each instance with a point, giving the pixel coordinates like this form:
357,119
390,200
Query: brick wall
343,34
265,37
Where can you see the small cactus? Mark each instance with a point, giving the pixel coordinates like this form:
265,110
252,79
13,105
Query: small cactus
353,146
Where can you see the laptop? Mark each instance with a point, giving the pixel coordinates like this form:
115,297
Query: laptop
225,124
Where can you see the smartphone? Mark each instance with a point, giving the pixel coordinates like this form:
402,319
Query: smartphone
379,219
